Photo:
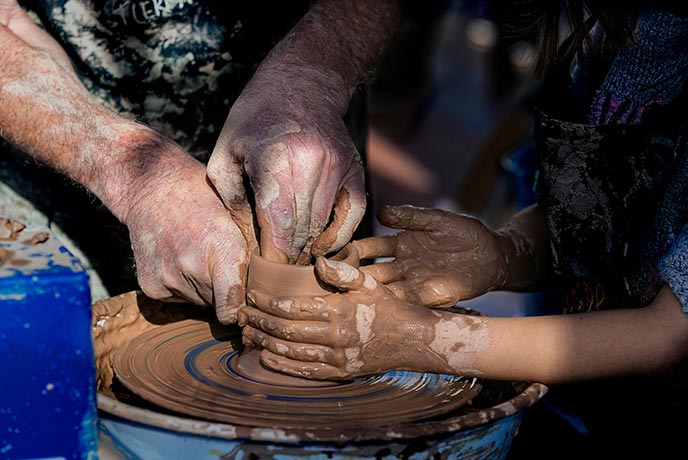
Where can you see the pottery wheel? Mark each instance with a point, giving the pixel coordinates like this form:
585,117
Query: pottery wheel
190,367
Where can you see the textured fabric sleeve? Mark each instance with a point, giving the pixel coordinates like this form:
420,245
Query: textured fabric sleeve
674,268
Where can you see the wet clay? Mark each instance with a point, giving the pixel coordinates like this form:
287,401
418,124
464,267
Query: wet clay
205,382
285,280
38,238
119,321
14,253
10,229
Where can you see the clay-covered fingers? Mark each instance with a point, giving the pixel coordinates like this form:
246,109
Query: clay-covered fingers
377,246
229,293
293,350
413,218
384,272
297,308
226,176
311,370
345,277
349,207
283,215
315,332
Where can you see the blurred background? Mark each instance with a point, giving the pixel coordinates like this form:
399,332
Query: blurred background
450,123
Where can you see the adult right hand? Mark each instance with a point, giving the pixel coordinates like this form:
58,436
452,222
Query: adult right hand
286,134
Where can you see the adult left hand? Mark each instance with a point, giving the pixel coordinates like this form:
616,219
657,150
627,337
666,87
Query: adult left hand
286,133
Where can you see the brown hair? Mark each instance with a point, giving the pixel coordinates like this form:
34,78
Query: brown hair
541,21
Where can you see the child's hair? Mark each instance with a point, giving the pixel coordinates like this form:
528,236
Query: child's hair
545,22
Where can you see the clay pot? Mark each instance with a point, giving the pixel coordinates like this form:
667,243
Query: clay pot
279,279
287,280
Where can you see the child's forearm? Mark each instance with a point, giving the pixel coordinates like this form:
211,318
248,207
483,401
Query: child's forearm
569,348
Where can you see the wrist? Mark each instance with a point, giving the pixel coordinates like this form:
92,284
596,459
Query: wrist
424,336
457,345
521,269
140,161
317,85
316,42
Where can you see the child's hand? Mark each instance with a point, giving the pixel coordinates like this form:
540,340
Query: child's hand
364,331
439,257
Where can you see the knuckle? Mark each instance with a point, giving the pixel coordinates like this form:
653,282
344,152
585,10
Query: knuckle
281,304
311,354
213,169
168,279
227,315
153,289
187,264
280,348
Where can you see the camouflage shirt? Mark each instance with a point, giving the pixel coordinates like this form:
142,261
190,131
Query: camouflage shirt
175,65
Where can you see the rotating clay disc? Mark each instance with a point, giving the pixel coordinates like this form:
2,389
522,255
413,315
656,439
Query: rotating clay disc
191,367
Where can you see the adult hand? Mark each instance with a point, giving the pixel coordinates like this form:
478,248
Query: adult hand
186,245
439,257
364,331
286,133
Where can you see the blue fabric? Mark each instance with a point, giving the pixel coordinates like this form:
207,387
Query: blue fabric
674,268
647,75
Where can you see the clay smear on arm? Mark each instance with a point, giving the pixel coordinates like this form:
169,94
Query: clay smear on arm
459,340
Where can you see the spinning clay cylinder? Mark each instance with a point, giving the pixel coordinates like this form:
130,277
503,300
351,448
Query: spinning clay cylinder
279,279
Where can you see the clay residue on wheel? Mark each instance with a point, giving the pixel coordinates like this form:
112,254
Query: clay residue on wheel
10,229
118,320
189,368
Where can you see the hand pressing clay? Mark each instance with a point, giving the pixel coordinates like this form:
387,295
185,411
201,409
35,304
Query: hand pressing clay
442,257
365,330
280,279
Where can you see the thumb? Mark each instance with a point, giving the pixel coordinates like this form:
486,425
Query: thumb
345,277
226,175
228,272
349,208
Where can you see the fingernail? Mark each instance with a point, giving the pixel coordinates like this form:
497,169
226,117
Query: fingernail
251,296
242,318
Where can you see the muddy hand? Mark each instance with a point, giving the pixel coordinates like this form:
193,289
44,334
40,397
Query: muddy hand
364,331
439,257
288,136
186,245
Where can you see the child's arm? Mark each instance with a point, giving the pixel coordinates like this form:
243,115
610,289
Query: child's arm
367,330
567,348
